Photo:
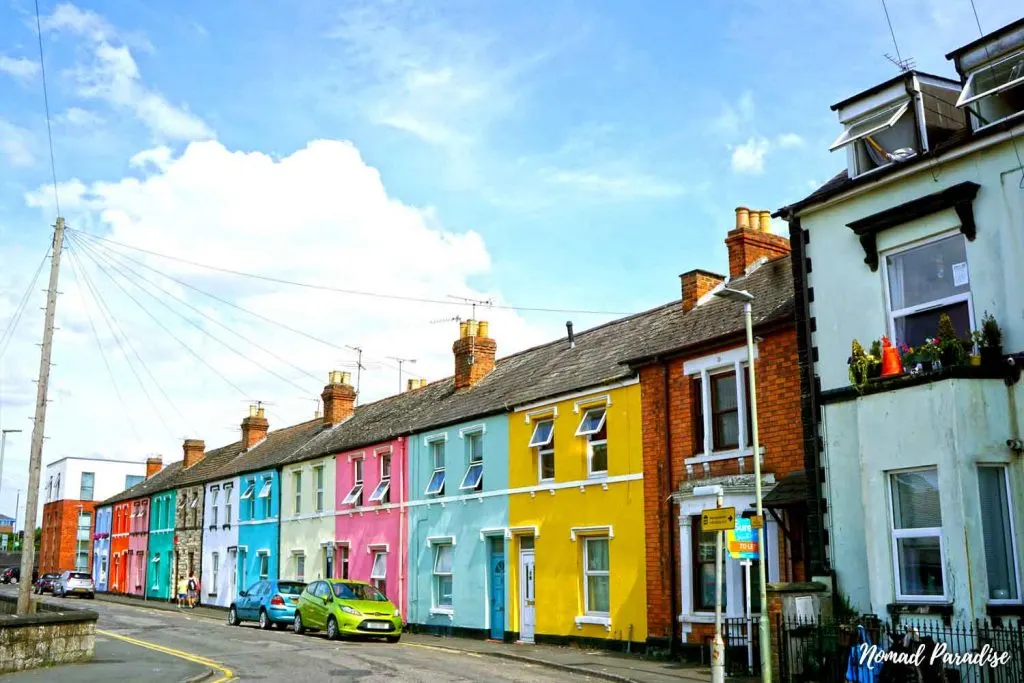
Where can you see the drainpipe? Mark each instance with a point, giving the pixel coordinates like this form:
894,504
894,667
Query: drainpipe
673,555
279,472
403,448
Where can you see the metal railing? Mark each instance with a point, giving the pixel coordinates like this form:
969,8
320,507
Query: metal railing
919,650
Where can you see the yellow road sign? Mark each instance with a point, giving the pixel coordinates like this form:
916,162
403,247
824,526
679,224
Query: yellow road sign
718,519
756,522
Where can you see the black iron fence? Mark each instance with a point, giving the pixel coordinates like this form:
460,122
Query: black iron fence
918,651
742,650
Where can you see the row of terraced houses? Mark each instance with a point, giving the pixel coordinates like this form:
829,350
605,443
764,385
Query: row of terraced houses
554,493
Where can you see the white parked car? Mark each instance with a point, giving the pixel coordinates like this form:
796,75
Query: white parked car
75,583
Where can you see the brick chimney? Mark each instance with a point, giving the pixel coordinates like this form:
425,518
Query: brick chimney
339,397
254,427
195,450
474,353
697,283
153,465
751,240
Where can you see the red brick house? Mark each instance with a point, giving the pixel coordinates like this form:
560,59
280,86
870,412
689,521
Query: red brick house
697,431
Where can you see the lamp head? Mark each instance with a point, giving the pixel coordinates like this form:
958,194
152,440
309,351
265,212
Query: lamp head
737,295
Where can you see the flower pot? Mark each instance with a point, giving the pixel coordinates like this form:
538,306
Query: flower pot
950,357
874,371
975,360
991,355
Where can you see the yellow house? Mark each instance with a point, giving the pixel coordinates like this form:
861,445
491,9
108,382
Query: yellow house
576,517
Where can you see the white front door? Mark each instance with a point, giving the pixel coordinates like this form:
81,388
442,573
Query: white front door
527,596
232,572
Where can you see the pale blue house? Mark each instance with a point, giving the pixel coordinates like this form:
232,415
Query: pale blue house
101,547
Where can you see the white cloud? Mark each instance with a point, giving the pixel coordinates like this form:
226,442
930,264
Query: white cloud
619,187
748,158
19,67
735,116
319,215
78,117
787,140
113,76
15,144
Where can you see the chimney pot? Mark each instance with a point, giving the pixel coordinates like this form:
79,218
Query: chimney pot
569,333
766,221
153,465
463,329
252,410
483,327
755,221
742,218
471,329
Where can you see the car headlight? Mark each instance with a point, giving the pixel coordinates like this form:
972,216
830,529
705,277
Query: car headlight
351,610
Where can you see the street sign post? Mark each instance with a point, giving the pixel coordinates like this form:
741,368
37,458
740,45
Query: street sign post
718,519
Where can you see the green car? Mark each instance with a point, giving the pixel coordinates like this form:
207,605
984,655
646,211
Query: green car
347,608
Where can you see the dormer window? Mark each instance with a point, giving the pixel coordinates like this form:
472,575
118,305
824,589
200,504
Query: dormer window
995,91
879,138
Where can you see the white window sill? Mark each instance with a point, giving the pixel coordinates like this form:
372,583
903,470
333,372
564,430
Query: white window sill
723,455
594,620
442,611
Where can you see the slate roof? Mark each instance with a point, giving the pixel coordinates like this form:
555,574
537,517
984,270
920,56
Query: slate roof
791,490
272,451
211,462
674,329
161,481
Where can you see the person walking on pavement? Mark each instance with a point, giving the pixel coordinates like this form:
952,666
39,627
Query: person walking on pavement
182,591
193,590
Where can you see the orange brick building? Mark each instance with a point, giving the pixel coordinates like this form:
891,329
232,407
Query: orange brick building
697,431
71,487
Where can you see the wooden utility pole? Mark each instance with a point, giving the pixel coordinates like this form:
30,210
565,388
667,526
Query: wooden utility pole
38,427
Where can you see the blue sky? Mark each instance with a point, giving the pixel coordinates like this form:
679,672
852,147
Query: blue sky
560,154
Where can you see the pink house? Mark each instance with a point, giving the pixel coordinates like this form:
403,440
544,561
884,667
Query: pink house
138,541
370,521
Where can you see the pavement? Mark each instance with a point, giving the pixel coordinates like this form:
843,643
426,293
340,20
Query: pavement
136,637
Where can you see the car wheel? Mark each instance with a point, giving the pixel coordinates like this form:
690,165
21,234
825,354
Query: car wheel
91,596
297,624
332,629
394,639
264,620
233,619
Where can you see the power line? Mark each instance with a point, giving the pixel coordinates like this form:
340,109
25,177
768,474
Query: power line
12,324
355,292
978,22
98,242
99,345
197,326
113,325
892,32
212,319
46,104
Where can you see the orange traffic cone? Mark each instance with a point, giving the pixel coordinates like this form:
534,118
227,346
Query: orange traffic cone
892,364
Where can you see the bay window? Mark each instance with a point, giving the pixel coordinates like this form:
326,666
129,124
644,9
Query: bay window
917,546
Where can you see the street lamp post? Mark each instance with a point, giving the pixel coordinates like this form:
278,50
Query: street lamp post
718,644
746,298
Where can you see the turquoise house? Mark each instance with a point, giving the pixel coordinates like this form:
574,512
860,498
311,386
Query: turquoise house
458,522
159,573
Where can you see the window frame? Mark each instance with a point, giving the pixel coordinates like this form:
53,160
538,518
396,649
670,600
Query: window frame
700,371
379,581
92,486
697,603
898,109
588,572
473,479
962,102
297,481
1012,550
591,442
934,303
547,448
300,564
437,576
263,558
437,447
895,535
355,494
580,431
383,489
319,476
534,442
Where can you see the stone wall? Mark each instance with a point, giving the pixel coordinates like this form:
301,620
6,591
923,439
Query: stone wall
188,532
52,635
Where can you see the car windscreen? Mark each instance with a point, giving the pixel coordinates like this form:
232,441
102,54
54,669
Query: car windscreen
290,588
51,576
80,576
358,591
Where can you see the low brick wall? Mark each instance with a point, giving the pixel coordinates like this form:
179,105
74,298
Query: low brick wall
52,635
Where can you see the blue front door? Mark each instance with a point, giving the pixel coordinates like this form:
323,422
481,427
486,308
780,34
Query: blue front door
497,592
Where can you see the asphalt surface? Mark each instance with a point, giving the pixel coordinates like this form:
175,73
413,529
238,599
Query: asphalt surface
191,644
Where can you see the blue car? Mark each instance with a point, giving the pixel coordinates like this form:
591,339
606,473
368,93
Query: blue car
268,603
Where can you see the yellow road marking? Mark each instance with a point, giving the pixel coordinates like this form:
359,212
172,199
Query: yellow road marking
442,649
227,675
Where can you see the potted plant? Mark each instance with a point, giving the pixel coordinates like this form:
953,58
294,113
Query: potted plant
974,343
875,360
951,348
991,340
860,364
929,354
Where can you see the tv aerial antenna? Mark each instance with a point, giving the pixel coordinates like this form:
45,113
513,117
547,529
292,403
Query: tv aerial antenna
904,65
473,303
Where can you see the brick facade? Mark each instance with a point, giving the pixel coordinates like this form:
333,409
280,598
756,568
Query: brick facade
779,419
188,533
58,545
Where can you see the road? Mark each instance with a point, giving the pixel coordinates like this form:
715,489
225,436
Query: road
250,654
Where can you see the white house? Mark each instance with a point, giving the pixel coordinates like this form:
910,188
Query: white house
922,487
89,479
220,543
